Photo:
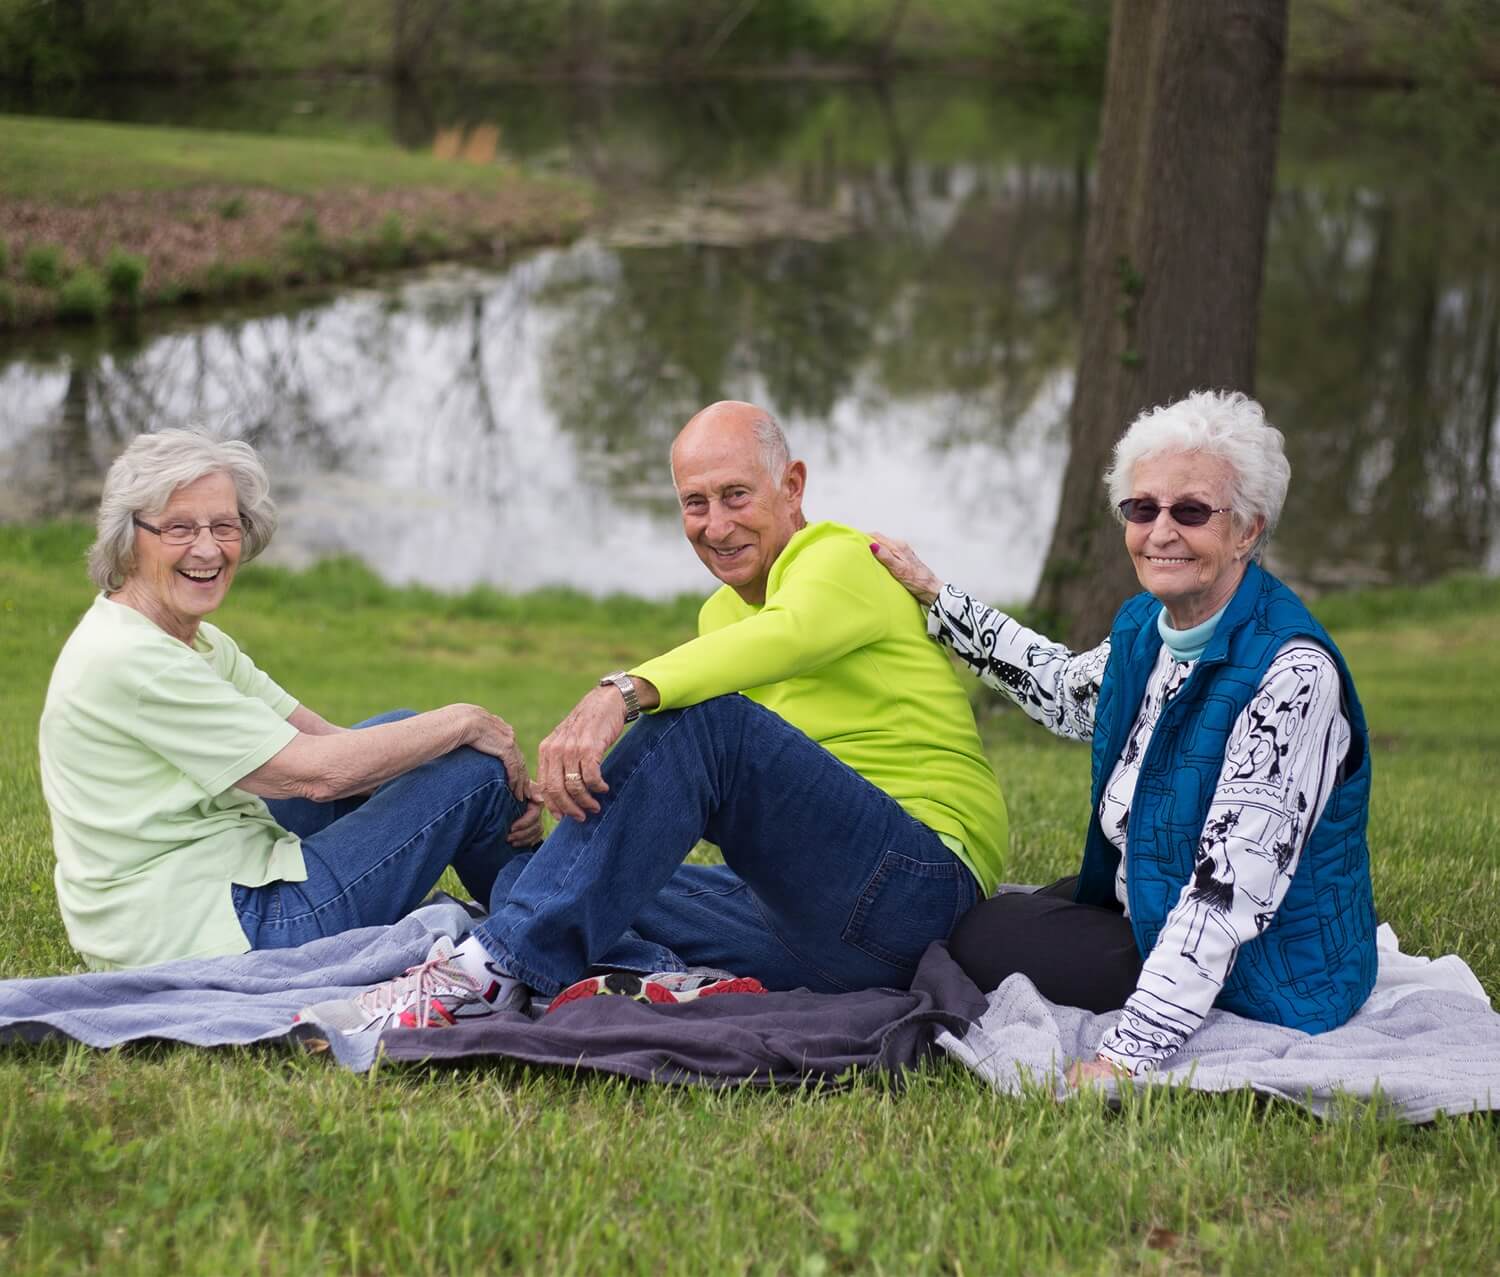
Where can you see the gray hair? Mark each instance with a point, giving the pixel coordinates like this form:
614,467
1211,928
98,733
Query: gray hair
1224,424
774,453
143,479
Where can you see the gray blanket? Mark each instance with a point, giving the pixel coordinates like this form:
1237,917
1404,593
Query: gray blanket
731,1039
1426,1042
762,1039
251,997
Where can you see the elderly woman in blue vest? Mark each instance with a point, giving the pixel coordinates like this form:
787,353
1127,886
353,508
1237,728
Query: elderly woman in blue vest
197,808
1225,862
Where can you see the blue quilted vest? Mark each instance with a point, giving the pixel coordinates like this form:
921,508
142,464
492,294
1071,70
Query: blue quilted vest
1313,967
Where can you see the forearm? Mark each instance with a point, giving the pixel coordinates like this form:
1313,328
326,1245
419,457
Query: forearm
325,767
1053,685
646,694
310,723
1282,756
1186,969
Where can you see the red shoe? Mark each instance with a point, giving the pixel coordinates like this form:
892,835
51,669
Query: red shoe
664,988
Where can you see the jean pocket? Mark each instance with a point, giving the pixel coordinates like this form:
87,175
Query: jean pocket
906,905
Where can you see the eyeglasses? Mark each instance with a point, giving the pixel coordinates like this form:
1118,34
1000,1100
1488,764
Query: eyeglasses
186,533
1190,514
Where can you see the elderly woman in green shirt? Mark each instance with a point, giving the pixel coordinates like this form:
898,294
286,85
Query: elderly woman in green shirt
199,809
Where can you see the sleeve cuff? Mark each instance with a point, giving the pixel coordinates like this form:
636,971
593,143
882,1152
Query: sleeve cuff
938,612
273,744
1133,1065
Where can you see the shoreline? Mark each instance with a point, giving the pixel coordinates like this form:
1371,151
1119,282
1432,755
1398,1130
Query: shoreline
102,219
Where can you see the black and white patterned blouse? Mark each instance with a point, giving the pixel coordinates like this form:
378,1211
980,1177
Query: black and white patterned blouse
1280,765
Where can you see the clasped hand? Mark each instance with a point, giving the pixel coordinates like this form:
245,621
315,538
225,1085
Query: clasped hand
492,735
568,762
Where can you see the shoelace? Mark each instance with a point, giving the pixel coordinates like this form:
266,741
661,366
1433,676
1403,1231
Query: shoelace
391,997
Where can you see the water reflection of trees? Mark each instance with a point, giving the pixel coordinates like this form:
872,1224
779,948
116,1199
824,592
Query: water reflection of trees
954,283
264,379
1381,354
972,294
668,330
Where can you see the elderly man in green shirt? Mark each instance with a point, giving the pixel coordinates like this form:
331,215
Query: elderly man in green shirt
811,731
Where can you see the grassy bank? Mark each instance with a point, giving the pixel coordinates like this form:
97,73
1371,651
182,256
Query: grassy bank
159,1159
99,217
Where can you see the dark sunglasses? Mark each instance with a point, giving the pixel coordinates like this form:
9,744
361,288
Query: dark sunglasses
1190,514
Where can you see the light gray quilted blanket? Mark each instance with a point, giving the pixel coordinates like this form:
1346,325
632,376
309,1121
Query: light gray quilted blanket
1427,1041
225,1001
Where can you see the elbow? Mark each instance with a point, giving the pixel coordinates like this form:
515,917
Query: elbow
319,789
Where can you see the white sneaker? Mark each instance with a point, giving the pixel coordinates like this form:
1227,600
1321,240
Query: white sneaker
435,995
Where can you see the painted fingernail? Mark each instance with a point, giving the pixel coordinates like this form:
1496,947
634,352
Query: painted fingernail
874,547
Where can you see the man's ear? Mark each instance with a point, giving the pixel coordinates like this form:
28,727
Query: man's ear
794,482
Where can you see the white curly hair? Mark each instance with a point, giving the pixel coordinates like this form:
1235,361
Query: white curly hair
1224,424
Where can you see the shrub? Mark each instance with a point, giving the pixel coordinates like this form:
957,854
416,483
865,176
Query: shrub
249,278
314,258
390,242
123,273
7,303
43,265
4,257
431,241
83,297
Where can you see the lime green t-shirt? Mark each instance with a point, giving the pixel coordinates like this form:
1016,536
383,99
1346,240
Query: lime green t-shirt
142,739
840,650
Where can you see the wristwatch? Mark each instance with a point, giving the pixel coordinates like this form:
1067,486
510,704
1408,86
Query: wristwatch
626,685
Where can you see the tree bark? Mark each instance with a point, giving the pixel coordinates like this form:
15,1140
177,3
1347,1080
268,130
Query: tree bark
1173,258
413,27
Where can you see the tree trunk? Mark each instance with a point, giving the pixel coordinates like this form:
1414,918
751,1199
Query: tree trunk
413,28
1173,257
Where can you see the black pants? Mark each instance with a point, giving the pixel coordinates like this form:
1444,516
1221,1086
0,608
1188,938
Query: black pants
1076,955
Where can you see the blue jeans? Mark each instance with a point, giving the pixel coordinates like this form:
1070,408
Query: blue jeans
371,860
827,882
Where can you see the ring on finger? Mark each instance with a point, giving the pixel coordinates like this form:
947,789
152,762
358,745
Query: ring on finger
572,775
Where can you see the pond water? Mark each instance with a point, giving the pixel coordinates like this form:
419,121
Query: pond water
894,272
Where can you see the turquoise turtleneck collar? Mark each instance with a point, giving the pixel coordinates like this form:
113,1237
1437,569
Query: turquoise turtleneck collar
1187,645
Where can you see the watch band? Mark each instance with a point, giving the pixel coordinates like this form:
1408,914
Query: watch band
626,686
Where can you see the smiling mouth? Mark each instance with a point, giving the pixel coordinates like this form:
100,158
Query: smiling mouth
1162,560
200,576
728,553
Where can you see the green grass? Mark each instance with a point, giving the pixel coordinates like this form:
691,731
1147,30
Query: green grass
162,1159
52,159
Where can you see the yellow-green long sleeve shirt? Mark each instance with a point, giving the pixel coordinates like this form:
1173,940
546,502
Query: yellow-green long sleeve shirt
840,650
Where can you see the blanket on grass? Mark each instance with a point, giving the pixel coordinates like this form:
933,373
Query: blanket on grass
233,1001
1426,1041
730,1039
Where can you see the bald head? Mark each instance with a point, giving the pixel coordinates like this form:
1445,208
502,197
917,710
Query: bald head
741,495
732,423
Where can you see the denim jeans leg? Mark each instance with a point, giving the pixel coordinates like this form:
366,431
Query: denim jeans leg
377,863
850,886
628,953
